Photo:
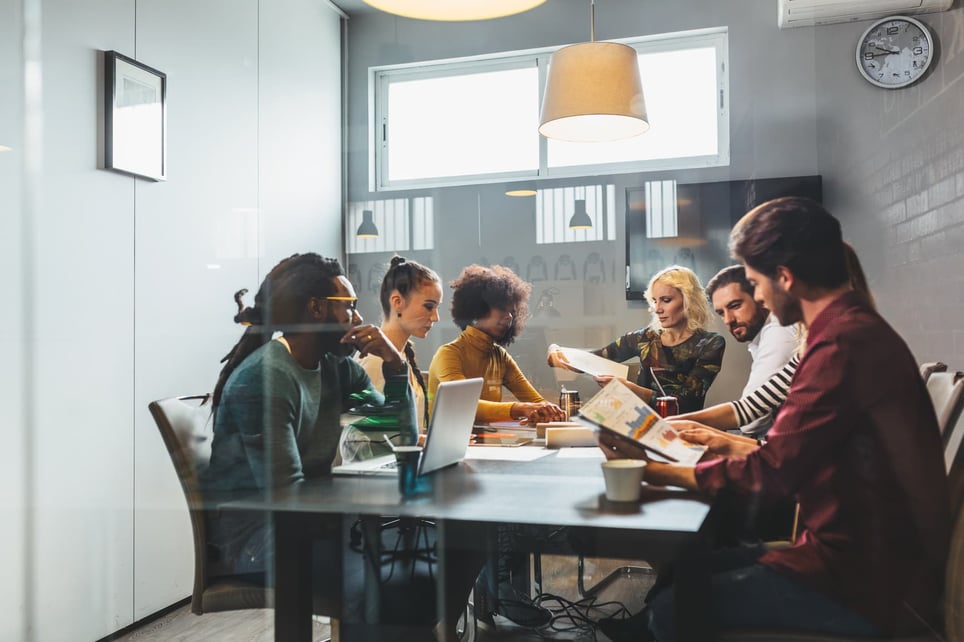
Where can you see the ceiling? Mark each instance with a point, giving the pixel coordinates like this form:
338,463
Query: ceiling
351,7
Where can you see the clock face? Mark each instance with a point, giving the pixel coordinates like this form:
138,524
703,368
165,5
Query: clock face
895,52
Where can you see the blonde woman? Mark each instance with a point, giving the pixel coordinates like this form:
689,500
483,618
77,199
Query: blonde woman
684,356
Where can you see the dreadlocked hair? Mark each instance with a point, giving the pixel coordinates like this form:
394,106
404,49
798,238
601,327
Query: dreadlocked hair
280,302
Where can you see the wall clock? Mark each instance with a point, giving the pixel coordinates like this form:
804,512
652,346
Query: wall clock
895,52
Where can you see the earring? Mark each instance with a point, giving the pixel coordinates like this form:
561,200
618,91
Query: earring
398,314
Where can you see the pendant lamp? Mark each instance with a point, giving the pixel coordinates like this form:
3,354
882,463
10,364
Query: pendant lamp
593,92
580,217
367,229
452,10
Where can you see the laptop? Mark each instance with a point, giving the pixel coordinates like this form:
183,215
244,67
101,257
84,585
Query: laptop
449,430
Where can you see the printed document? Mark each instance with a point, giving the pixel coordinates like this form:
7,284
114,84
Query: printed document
618,409
593,364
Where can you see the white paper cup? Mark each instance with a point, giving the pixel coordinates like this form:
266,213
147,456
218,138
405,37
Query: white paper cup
623,478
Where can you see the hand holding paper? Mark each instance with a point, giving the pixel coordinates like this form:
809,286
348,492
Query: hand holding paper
583,361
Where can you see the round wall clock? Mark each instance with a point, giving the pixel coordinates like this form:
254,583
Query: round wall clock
895,52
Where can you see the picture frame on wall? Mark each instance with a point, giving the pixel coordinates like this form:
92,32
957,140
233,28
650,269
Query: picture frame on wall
135,114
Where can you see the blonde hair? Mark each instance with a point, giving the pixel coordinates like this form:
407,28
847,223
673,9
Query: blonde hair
695,306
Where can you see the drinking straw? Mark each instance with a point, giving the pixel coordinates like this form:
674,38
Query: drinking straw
656,381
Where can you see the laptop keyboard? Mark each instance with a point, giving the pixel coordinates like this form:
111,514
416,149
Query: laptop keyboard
389,465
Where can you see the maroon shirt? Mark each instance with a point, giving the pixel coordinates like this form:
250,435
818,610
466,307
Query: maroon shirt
857,444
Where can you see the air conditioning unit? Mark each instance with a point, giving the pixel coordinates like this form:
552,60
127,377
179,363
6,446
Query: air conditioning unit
807,13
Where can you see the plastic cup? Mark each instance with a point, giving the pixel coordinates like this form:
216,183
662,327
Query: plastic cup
408,458
623,478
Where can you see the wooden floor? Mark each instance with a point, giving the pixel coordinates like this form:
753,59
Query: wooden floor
559,578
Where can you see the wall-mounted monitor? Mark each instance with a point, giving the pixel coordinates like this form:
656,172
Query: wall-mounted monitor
689,224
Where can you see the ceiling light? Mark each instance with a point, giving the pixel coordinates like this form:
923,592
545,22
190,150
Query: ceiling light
580,217
367,229
453,10
593,92
4,148
521,192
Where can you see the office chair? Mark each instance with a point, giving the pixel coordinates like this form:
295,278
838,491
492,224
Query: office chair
187,429
930,367
942,388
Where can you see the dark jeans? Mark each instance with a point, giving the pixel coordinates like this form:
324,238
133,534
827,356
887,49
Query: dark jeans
742,594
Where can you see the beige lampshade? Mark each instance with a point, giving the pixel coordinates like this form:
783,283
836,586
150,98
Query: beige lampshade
593,94
454,9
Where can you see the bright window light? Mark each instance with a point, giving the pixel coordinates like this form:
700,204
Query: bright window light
462,125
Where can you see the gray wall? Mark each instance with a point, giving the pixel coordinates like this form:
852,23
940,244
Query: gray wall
773,132
894,163
128,283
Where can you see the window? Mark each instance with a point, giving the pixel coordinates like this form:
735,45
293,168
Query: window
475,120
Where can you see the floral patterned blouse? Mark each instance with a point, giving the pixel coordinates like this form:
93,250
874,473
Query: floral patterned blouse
685,370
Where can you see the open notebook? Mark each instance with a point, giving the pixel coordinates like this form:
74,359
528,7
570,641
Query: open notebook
448,435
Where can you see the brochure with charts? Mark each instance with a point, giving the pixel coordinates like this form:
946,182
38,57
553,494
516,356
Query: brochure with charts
617,408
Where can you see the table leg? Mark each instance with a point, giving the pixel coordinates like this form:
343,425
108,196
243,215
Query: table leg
292,582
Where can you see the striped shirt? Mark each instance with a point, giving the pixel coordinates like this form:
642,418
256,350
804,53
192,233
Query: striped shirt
768,397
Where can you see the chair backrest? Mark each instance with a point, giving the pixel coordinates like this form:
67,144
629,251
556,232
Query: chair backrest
187,430
941,388
930,367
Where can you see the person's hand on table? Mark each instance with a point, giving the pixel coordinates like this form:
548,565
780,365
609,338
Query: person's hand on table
537,412
717,442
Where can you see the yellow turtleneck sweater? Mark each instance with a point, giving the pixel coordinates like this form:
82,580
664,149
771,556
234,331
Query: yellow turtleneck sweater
475,354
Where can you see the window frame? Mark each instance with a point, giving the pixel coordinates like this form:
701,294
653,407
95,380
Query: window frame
379,77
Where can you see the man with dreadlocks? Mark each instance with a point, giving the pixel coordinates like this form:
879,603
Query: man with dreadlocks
278,400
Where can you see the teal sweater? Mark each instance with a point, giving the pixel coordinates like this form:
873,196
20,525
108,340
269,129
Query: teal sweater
278,423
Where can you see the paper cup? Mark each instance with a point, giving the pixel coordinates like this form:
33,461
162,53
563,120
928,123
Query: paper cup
623,478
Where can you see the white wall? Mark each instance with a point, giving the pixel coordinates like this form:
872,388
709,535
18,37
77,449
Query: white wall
896,160
133,284
12,416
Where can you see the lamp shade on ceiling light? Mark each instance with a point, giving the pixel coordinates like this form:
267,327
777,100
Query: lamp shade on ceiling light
580,217
593,94
453,10
367,229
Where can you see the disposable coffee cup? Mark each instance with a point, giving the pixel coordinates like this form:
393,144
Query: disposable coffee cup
407,458
623,478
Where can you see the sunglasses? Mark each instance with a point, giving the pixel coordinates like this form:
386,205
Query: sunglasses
350,300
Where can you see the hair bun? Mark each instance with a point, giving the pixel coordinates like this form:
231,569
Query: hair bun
397,260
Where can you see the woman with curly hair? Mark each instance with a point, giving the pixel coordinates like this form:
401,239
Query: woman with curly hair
676,347
490,306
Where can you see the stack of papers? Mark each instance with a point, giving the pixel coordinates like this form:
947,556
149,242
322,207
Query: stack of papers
592,364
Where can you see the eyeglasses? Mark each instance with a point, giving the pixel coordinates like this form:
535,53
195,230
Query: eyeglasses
351,301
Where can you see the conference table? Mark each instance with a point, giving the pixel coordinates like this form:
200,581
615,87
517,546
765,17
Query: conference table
561,489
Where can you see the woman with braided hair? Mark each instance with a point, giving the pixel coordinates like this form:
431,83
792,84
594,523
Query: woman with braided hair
410,296
278,400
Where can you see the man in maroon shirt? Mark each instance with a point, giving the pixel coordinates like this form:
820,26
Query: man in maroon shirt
856,444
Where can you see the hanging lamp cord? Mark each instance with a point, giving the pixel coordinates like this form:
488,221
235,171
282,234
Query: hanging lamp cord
592,20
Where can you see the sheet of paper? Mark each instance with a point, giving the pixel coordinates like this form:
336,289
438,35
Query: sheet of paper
494,453
594,365
617,408
581,453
